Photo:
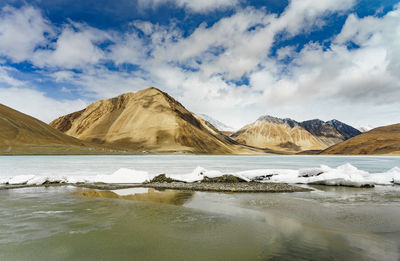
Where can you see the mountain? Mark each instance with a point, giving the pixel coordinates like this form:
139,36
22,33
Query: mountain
382,140
278,134
217,124
330,132
345,130
290,135
146,121
23,134
364,128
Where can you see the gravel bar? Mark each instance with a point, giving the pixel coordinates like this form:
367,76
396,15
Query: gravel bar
229,187
249,187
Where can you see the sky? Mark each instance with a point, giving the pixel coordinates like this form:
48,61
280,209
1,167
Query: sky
234,60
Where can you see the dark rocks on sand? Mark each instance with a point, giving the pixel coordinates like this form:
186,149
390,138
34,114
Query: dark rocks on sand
163,179
223,179
264,177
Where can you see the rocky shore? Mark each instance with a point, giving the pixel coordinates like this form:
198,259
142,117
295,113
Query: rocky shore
225,183
229,187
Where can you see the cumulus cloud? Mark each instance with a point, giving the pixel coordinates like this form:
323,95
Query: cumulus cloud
365,74
357,69
21,31
75,48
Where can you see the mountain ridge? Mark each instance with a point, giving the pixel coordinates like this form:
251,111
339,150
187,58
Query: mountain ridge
291,135
23,134
147,120
378,141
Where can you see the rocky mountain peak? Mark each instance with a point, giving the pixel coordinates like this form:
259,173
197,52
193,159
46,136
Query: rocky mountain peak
270,119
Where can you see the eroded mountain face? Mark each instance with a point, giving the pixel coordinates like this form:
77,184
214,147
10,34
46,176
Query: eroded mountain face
382,140
148,120
290,135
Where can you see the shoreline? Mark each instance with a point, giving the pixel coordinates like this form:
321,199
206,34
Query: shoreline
242,187
395,154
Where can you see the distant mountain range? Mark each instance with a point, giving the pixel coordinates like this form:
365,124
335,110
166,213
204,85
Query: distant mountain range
151,121
290,135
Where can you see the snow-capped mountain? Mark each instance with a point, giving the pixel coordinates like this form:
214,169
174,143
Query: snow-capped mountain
216,123
365,128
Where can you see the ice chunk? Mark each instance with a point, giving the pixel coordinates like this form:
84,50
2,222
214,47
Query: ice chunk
196,175
122,175
20,179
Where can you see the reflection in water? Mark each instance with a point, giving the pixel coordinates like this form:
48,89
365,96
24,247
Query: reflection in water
172,197
288,238
54,224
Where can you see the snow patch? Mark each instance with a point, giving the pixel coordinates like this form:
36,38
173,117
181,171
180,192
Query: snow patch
20,179
344,175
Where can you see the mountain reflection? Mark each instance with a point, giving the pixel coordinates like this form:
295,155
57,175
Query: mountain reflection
171,197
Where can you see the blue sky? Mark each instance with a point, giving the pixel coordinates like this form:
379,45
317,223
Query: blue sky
234,60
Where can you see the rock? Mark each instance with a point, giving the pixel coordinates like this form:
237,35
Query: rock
310,172
223,179
396,181
163,179
264,177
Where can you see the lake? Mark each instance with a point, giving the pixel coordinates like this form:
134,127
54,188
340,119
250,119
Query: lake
69,223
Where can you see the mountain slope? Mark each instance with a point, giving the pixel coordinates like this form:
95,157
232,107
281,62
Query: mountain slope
278,134
148,120
382,140
290,135
23,134
216,123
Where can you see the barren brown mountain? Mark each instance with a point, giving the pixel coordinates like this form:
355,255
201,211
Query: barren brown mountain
291,136
147,121
382,140
278,134
23,134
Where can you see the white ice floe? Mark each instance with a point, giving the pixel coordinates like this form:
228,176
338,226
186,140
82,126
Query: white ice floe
20,179
196,175
122,175
345,175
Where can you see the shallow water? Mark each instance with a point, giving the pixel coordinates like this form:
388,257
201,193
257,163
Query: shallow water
59,224
330,223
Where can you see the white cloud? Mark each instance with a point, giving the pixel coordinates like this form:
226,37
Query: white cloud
367,74
353,84
21,31
236,45
75,48
198,6
100,83
129,49
200,69
37,104
5,77
303,15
